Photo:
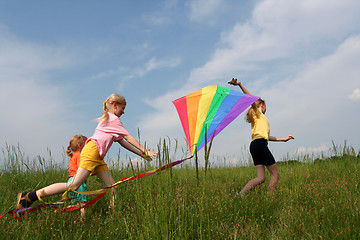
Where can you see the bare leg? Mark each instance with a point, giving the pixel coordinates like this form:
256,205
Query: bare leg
57,188
260,169
274,176
82,210
108,180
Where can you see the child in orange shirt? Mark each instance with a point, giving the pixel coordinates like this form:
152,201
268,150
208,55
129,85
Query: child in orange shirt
76,144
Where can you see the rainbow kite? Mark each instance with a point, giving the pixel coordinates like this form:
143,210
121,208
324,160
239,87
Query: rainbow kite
209,110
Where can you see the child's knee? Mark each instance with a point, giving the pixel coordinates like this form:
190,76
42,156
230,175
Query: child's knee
275,176
260,180
74,186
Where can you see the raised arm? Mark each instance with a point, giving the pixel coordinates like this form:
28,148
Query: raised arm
235,82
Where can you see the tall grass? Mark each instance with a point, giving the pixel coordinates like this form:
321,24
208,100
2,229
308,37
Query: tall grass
316,199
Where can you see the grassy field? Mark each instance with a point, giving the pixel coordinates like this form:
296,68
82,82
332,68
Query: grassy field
317,199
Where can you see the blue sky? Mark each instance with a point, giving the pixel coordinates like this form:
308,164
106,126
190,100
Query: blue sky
60,59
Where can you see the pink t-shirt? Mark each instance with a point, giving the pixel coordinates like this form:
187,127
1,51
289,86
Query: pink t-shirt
107,132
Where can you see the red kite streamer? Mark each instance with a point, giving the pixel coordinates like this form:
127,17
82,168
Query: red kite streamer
22,212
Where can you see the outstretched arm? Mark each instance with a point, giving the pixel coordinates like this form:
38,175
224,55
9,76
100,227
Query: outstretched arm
130,147
235,82
276,139
134,146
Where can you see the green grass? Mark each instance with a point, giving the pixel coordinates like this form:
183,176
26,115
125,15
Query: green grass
314,200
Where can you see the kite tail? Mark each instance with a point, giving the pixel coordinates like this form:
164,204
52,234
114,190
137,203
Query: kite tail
22,212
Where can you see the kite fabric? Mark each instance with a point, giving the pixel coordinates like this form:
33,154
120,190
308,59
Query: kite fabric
207,111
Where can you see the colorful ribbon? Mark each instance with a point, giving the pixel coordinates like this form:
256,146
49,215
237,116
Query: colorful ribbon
22,212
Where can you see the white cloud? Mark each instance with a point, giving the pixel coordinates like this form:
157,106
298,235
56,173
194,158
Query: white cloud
322,149
278,31
108,74
163,15
157,19
355,96
154,64
33,108
203,10
135,162
320,82
307,20
124,74
164,120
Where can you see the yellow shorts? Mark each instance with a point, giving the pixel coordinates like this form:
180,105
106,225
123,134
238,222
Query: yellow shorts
90,159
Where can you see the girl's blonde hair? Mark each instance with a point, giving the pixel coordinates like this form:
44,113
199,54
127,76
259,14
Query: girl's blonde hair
250,113
113,98
74,143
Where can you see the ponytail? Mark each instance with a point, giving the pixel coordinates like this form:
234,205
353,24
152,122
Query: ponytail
113,98
105,113
69,152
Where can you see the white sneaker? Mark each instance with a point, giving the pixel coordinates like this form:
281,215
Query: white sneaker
240,194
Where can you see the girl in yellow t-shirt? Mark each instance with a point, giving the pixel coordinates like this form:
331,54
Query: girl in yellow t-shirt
259,150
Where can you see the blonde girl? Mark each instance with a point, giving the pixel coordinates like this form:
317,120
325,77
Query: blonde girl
110,129
259,150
